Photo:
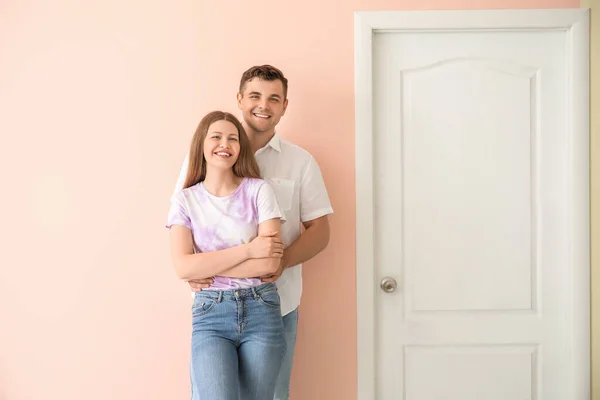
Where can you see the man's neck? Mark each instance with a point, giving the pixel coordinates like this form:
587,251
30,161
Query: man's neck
258,139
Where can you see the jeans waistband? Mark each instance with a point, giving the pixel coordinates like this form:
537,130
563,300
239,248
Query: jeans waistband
233,294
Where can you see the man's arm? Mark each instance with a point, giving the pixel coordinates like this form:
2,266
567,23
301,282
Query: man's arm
314,208
310,243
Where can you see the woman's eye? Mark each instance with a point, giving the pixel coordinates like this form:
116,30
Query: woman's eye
234,139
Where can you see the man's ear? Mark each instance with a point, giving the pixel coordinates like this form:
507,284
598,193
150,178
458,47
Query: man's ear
239,100
285,104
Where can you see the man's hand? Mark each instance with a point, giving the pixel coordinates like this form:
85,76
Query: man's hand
274,276
198,284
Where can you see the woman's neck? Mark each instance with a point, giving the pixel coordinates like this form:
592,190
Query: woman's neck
221,183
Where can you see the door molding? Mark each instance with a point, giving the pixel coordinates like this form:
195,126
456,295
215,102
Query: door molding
576,23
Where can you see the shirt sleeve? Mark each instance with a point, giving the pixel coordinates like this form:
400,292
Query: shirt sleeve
178,214
314,200
181,178
267,205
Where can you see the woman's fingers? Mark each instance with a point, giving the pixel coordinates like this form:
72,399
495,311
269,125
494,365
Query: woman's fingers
277,252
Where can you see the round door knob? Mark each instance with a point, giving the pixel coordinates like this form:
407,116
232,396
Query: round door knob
388,284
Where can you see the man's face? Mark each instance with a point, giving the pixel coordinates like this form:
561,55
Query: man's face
262,104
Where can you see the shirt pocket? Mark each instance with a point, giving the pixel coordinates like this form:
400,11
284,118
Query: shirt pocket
284,191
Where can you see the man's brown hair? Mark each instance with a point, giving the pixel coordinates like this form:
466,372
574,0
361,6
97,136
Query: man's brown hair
265,73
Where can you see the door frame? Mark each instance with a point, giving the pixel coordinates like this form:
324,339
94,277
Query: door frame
576,23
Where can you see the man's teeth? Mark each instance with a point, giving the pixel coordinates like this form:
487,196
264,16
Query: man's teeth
262,115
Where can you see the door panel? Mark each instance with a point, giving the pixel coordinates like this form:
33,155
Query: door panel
470,214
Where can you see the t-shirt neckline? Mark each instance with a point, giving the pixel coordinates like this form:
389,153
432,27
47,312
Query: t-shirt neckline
205,190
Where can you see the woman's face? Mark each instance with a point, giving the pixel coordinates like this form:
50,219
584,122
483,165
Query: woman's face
221,145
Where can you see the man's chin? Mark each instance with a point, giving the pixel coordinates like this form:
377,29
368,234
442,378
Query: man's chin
260,129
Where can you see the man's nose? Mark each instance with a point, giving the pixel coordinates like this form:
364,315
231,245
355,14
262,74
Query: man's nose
263,104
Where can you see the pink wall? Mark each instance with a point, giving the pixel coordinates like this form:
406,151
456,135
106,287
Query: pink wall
97,106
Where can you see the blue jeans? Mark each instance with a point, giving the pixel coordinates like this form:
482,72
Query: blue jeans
238,343
290,325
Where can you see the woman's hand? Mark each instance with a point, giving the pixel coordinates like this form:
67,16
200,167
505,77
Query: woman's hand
266,245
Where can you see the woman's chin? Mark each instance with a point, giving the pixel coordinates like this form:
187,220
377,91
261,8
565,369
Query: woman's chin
221,164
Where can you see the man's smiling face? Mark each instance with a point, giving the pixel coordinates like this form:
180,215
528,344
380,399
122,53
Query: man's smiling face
262,104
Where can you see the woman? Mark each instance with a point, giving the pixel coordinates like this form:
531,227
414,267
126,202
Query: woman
226,223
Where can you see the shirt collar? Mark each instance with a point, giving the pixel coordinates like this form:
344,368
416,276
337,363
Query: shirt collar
275,143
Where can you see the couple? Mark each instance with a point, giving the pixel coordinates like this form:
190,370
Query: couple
242,197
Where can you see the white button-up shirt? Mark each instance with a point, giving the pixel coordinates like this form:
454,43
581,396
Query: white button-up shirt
301,194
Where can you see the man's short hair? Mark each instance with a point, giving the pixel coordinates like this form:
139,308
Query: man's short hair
265,73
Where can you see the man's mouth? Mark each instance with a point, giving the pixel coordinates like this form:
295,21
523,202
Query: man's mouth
263,116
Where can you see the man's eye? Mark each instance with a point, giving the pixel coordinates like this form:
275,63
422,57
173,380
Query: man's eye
276,100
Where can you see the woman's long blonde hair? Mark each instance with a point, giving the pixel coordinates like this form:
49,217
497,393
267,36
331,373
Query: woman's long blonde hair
245,166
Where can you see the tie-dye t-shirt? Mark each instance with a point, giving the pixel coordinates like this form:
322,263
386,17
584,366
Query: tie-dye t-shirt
219,223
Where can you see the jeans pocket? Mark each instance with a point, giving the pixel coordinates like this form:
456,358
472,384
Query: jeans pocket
202,305
270,299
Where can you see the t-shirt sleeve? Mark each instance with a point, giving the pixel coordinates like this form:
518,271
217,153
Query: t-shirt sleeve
314,200
268,208
178,213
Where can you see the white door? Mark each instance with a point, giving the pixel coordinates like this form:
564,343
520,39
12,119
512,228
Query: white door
472,215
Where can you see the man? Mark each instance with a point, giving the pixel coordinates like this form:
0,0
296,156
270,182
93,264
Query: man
300,190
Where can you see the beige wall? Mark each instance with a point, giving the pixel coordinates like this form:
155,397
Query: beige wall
97,107
595,189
